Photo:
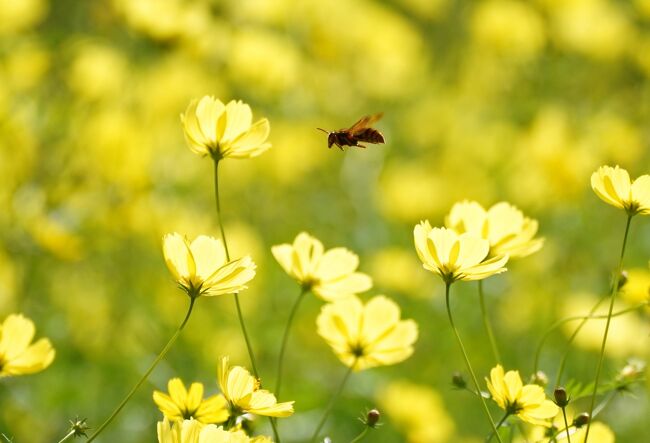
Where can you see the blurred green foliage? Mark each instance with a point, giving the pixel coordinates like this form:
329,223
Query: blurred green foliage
491,100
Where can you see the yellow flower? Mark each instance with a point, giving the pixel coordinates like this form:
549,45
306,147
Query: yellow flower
201,268
614,187
192,431
367,336
243,392
329,274
222,131
183,404
503,225
17,356
453,256
528,402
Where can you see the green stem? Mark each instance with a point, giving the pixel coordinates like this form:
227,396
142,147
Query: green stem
160,356
285,339
328,410
617,276
501,422
566,425
487,324
584,318
468,364
225,246
360,437
67,436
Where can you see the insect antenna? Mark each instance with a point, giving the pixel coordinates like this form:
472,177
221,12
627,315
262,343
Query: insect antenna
321,129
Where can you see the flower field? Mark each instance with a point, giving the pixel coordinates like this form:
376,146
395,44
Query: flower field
186,256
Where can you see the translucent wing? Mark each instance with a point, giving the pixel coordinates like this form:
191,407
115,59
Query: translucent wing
364,122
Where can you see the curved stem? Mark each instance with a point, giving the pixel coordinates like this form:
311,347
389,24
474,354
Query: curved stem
225,246
617,276
360,437
487,324
501,422
336,395
584,318
160,356
67,436
285,339
468,364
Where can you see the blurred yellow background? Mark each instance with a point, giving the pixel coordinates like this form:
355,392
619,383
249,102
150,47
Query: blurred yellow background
489,100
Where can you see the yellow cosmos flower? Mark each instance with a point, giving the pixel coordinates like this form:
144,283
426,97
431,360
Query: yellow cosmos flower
182,404
455,256
503,225
201,268
329,274
243,392
614,187
367,336
17,355
192,431
212,128
528,402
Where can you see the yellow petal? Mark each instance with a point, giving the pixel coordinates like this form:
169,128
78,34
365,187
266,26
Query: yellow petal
208,111
336,263
167,406
209,255
344,287
213,410
178,257
194,397
17,332
284,256
308,251
380,315
472,250
641,193
251,143
240,384
263,402
485,269
34,359
467,216
231,278
177,391
238,120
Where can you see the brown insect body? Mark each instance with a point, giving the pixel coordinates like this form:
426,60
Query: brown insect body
358,132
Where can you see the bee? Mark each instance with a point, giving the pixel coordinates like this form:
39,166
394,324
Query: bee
358,132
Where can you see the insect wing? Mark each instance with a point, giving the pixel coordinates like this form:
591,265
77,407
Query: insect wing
370,135
363,123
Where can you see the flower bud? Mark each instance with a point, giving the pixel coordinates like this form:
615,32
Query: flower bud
372,418
581,420
458,381
561,398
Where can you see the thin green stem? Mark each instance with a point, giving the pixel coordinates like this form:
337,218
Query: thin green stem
584,318
566,425
160,356
67,436
360,437
495,431
330,405
468,364
242,324
285,339
617,276
487,324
